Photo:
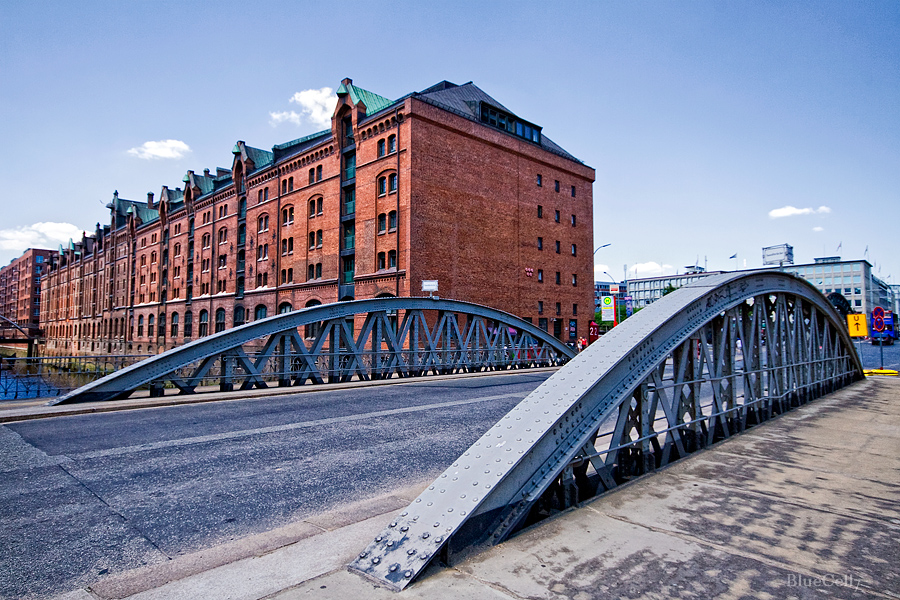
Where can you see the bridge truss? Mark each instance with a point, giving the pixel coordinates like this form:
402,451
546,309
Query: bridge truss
700,365
397,337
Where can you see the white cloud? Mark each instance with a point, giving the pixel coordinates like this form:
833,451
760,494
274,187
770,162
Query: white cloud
599,271
650,269
316,107
40,235
817,229
160,149
792,211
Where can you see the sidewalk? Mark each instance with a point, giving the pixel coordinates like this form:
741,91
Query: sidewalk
803,505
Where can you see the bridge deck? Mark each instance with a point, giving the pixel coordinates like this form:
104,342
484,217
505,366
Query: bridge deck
807,501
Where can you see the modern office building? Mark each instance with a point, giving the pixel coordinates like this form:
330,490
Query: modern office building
851,278
647,290
20,292
444,184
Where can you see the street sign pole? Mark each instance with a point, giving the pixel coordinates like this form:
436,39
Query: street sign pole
878,325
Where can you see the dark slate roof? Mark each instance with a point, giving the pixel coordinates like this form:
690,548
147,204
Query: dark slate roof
121,208
464,100
260,158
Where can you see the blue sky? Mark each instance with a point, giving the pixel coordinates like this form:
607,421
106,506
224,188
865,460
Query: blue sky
700,118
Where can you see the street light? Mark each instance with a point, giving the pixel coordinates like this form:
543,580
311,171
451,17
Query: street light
603,246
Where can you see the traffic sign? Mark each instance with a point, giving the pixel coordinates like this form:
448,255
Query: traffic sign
878,324
877,312
858,326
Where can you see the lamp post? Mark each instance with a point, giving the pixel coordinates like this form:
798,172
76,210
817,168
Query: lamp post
616,310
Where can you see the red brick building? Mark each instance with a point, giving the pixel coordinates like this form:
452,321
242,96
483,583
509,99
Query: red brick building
444,184
20,291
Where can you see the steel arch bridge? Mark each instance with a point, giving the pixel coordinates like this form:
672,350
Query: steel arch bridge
399,337
703,363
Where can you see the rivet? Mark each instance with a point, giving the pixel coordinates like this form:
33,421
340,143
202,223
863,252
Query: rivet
439,539
462,513
411,551
430,503
407,574
393,568
376,560
379,538
363,554
404,528
403,514
475,483
423,556
462,495
393,524
425,535
418,499
437,524
431,488
442,491
390,543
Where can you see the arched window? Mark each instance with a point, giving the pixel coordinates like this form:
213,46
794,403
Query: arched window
318,270
319,173
381,261
382,186
161,328
188,325
290,184
204,323
319,205
140,330
239,315
312,175
392,182
312,330
153,258
285,307
262,223
205,239
223,235
220,320
380,148
319,238
392,220
174,325
151,326
287,215
312,209
259,312
392,259
382,223
284,187
392,144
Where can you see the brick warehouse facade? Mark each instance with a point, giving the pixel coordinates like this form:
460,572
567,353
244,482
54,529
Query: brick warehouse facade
20,291
442,184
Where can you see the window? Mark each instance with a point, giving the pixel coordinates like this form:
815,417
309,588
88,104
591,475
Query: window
287,246
556,185
140,328
151,326
542,323
205,240
349,236
574,252
382,223
380,148
153,257
392,220
319,173
238,315
506,122
392,259
287,216
174,325
242,234
392,183
558,278
263,224
540,244
259,197
290,184
312,240
573,191
556,216
381,261
220,320
541,275
284,187
574,279
382,186
540,307
312,175
188,324
262,252
310,272
204,323
557,246
573,220
312,209
558,308
349,202
318,270
285,307
223,260
319,206
540,180
223,235
259,312
392,144
348,268
319,239
540,212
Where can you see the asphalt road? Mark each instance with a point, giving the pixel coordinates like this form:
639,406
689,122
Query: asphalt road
84,496
871,355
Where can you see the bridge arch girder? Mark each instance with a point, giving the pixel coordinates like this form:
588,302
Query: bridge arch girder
428,338
631,402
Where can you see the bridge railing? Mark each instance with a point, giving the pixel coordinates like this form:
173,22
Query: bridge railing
49,376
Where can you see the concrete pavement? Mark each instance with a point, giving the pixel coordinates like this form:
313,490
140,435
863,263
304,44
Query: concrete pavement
804,506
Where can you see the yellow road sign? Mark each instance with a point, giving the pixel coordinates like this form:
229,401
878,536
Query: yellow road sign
858,325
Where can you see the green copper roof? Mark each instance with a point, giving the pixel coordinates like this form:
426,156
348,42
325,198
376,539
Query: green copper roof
373,101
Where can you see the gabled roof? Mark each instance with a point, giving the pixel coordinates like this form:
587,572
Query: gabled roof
373,101
121,208
280,151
